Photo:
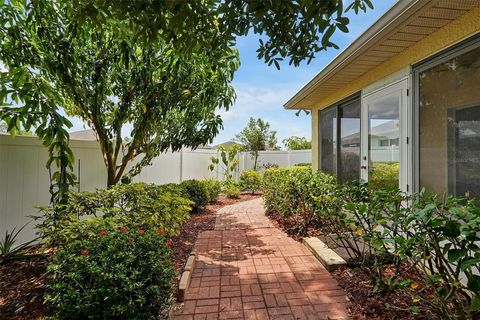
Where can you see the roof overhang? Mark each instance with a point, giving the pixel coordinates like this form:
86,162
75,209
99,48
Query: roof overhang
403,25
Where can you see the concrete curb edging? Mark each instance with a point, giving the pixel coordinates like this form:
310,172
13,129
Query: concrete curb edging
186,276
329,258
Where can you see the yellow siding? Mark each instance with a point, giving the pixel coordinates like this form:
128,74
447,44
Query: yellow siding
452,33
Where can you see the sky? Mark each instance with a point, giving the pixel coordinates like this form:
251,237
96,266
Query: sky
262,90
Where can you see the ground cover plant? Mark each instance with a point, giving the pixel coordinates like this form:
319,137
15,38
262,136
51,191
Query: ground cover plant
389,235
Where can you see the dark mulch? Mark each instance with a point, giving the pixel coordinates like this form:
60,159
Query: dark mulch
294,227
198,222
22,285
367,303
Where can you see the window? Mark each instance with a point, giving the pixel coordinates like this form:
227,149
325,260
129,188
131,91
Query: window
340,140
449,122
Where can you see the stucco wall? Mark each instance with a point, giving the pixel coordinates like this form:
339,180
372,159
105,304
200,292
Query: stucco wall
456,31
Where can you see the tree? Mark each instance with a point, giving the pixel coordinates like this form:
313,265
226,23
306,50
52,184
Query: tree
297,143
257,136
228,161
293,29
111,81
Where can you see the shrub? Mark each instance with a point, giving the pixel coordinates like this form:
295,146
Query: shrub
196,191
231,190
122,273
214,187
144,205
384,176
250,180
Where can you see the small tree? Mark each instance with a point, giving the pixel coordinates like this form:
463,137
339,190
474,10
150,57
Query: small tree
297,143
227,162
257,136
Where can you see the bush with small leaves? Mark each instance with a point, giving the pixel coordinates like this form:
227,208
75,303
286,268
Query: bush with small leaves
197,192
250,180
231,190
117,273
214,187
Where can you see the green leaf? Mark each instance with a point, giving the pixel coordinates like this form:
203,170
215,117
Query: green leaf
456,254
475,305
452,229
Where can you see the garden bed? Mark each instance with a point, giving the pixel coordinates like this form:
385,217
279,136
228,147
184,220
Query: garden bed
364,302
22,285
292,226
22,282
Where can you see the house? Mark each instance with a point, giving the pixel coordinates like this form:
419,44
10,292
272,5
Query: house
410,86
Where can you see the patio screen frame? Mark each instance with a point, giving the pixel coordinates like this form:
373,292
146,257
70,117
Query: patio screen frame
356,97
443,56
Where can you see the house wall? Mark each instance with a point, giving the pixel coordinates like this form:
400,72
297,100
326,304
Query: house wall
454,32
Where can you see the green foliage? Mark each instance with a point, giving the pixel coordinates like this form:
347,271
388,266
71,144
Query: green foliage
227,162
250,180
379,227
231,190
214,187
118,273
143,205
197,192
384,175
9,250
257,136
297,143
109,80
296,30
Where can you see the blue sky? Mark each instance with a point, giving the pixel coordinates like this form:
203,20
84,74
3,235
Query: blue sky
262,90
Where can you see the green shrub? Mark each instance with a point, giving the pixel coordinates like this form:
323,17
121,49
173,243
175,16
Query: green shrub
250,180
384,176
231,190
197,192
145,205
214,187
123,273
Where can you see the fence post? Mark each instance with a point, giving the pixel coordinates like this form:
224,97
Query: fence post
218,158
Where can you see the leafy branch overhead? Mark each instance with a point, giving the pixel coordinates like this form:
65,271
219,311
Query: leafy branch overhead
294,30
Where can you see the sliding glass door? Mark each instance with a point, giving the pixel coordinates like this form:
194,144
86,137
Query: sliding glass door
448,119
384,150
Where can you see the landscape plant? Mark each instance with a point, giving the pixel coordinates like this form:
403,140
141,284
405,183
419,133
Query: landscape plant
214,188
145,205
250,180
257,136
227,162
297,143
118,273
197,192
231,190
10,250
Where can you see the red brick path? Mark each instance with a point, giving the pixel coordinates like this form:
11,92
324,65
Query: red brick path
248,269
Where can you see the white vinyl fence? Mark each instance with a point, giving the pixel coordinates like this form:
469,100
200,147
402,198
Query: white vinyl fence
24,179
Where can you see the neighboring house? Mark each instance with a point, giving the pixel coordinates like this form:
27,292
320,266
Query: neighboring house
84,135
411,82
226,144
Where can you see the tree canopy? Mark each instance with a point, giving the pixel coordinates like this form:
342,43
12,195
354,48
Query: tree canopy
297,143
294,30
257,136
109,80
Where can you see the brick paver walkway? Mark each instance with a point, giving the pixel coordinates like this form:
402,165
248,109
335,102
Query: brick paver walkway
248,269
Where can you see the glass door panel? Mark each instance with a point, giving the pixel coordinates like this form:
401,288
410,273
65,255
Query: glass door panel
383,153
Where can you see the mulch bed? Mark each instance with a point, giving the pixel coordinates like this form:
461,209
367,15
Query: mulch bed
366,303
22,285
293,227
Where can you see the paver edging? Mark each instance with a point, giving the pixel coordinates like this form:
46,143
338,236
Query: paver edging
186,276
327,257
